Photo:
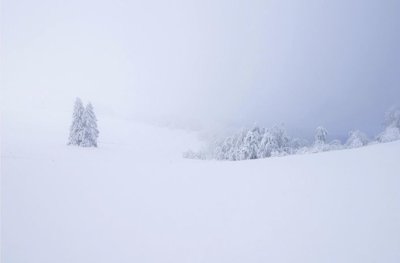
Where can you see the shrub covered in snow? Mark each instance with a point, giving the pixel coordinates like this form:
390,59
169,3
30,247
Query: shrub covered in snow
356,139
389,134
193,155
336,145
319,147
392,126
392,117
320,141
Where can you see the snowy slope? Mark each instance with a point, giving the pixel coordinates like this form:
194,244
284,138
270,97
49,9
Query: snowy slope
135,199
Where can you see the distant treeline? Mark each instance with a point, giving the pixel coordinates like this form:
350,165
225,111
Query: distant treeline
257,142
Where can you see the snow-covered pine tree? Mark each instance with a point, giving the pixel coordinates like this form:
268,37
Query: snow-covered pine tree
77,129
90,123
250,144
321,135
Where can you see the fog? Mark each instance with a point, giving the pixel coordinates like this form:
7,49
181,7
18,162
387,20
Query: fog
205,63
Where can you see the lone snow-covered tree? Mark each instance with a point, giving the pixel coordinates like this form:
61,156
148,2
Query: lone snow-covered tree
91,133
77,129
83,131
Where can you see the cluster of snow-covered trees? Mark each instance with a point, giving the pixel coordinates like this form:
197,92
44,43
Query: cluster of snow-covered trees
83,131
253,144
259,142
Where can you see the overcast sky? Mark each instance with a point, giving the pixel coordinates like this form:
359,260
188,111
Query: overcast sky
301,62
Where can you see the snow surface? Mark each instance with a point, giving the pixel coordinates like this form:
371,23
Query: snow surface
135,199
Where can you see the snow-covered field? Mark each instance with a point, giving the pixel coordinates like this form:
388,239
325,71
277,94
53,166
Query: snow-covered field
135,199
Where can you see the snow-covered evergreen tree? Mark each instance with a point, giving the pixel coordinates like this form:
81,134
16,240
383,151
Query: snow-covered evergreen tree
83,130
321,135
77,129
91,133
